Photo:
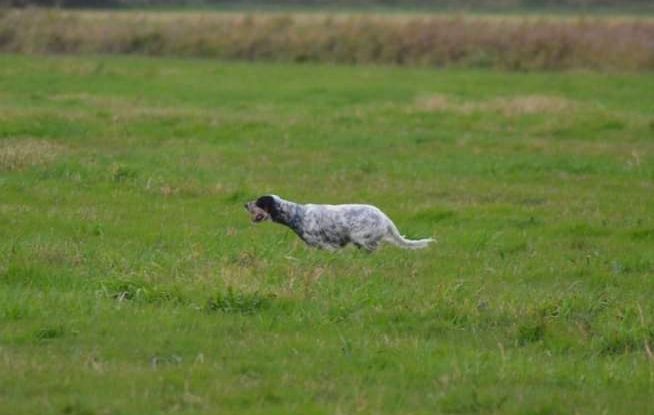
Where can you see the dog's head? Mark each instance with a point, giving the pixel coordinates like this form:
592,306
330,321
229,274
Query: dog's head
261,209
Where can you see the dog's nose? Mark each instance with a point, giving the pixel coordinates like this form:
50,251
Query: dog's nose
245,205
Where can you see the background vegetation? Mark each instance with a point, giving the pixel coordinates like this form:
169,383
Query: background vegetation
585,5
514,43
131,281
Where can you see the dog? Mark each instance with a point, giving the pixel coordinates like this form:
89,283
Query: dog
332,226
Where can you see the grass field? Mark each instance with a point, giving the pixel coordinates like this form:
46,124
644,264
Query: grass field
131,281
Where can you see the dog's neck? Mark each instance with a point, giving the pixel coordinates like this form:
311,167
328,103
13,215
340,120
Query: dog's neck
288,213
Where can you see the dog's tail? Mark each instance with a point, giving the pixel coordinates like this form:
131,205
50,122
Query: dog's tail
396,239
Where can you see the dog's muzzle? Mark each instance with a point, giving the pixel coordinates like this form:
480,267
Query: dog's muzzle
256,213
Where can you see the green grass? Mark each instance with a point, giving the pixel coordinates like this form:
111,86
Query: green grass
131,281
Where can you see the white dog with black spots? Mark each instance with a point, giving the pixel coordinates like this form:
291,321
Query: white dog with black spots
333,226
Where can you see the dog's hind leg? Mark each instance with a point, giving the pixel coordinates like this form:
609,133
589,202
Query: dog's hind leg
368,246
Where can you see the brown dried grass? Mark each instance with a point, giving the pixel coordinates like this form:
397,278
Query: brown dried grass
507,106
25,153
447,40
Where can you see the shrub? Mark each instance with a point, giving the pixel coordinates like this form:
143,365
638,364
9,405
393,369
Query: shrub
513,43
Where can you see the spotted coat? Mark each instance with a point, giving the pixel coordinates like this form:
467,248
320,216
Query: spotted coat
333,226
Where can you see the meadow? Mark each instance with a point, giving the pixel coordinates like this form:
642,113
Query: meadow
132,282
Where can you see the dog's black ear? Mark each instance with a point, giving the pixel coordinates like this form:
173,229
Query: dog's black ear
267,203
